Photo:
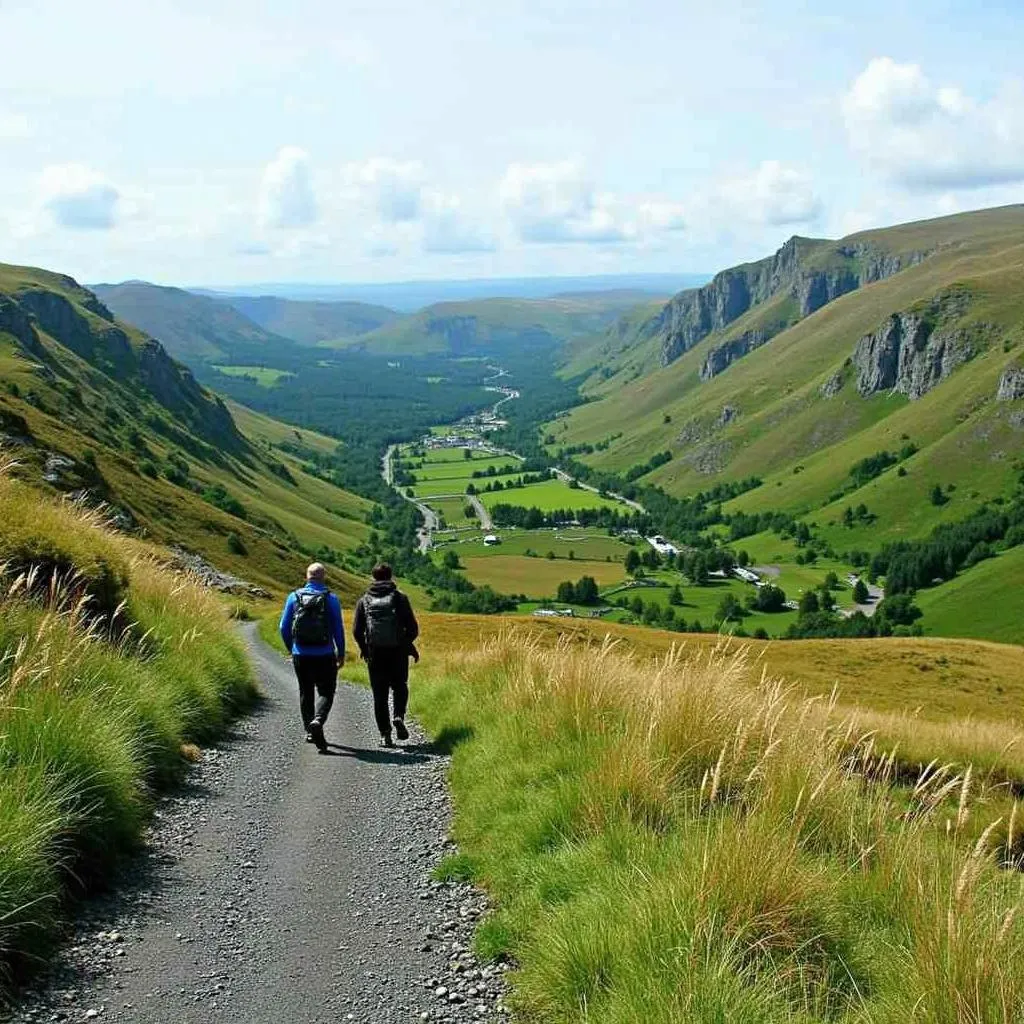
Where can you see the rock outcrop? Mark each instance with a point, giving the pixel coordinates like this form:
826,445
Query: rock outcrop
913,351
721,357
16,322
1011,384
812,272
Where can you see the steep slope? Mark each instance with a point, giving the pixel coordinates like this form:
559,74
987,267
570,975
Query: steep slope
192,327
311,323
485,326
928,356
93,408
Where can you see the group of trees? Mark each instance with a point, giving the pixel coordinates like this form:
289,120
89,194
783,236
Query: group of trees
504,514
583,591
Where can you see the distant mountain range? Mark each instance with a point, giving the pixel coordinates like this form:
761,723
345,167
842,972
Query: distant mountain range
409,296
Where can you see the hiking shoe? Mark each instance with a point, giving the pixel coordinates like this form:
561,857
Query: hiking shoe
386,740
309,736
316,730
400,730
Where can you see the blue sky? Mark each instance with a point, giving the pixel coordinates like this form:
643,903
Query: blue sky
226,142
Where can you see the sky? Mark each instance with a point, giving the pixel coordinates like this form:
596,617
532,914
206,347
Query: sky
220,142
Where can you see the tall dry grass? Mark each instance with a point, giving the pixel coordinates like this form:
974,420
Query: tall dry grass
670,843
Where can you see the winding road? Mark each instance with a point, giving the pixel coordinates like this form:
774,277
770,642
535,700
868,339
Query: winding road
287,886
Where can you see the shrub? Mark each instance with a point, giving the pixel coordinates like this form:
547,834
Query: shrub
236,545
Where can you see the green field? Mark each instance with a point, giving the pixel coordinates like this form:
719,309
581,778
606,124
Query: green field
453,511
586,544
536,577
263,376
549,496
986,601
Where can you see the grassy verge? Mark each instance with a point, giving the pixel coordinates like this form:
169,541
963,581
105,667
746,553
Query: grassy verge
668,841
96,705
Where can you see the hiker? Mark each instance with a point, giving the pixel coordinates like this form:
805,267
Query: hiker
312,629
385,629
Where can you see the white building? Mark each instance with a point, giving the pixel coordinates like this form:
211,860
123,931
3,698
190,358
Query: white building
662,546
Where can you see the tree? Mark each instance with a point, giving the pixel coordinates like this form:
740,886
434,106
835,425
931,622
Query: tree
675,596
937,496
586,591
831,581
451,560
809,603
572,555
770,598
636,606
632,560
848,516
467,454
743,559
566,593
861,595
469,511
826,601
729,609
898,610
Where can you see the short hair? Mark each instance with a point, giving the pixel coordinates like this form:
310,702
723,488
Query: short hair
382,572
316,571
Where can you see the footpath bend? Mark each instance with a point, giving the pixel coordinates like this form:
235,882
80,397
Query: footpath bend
285,885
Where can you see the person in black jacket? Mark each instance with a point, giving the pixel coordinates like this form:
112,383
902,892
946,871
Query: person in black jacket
385,629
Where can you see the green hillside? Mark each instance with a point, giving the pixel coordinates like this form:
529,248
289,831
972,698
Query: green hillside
191,327
791,410
483,326
311,323
92,407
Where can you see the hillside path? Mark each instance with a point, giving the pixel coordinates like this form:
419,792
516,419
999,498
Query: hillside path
293,887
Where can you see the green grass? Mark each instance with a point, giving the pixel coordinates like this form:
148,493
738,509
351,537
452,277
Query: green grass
549,496
535,577
264,376
92,719
986,601
666,842
589,544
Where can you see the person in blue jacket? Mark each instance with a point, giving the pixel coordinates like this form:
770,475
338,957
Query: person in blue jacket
313,631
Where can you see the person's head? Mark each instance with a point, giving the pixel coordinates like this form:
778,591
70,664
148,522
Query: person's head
316,573
382,572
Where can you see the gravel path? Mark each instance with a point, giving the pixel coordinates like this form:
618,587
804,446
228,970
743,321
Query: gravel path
282,885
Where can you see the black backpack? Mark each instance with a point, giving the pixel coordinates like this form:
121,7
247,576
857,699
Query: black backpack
382,626
311,624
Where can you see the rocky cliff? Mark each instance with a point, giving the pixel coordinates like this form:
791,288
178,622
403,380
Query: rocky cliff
913,351
812,272
1011,384
722,356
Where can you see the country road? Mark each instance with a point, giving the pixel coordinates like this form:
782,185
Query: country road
288,886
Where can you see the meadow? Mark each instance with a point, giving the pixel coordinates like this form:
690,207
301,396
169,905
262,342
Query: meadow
536,577
611,802
561,542
549,496
264,376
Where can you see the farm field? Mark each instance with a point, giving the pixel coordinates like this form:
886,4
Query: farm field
453,512
549,496
464,469
536,577
457,484
263,376
584,544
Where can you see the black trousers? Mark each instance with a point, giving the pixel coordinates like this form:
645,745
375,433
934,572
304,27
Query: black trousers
319,673
389,675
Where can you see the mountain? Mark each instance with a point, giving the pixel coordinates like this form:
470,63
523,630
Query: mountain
311,323
194,328
484,326
94,408
796,368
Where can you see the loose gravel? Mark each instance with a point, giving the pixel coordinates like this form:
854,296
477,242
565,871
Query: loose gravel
282,885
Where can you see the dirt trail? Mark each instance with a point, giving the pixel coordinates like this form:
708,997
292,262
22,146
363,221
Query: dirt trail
286,886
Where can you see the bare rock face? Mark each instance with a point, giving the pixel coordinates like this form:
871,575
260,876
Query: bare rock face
16,322
1011,384
812,272
834,384
913,351
59,318
721,357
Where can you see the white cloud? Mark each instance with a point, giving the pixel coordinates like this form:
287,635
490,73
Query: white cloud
933,138
392,187
774,194
447,228
79,198
286,195
558,203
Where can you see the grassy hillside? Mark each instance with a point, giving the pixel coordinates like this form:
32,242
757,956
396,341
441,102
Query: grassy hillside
93,407
109,663
482,326
193,328
311,323
801,411
611,807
